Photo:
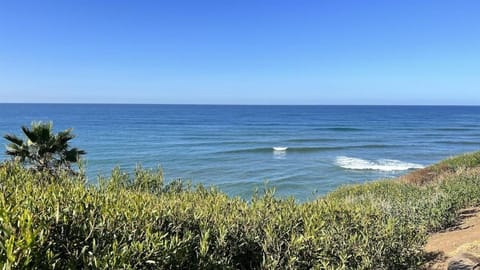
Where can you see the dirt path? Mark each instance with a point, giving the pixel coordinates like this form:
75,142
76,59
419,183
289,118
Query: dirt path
460,243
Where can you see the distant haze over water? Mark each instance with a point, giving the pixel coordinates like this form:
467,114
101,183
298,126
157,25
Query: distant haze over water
232,146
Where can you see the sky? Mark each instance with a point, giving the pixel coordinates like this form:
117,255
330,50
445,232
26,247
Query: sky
240,52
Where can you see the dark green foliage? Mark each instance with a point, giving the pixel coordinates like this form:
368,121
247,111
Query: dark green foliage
139,222
42,150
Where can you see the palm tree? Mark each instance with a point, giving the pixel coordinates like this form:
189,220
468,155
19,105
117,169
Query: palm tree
42,150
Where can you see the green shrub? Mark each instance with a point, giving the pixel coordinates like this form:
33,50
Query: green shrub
140,222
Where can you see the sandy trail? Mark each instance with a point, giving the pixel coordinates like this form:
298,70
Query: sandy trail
461,241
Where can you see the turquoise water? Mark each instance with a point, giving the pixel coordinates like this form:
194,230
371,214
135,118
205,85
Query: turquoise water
231,146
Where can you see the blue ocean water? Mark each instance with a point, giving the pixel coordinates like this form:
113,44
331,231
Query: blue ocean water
231,146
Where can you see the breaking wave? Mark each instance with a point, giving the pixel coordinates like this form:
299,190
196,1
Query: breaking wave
307,149
378,165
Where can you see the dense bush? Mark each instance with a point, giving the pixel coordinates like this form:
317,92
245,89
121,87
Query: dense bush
139,222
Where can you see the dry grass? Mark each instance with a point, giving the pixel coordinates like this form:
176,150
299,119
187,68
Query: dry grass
442,170
426,175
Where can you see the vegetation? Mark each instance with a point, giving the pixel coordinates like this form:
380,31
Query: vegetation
42,150
139,222
433,173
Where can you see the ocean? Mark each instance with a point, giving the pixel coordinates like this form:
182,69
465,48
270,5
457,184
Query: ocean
231,147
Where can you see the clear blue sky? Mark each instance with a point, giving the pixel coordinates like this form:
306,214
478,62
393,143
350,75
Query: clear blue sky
240,52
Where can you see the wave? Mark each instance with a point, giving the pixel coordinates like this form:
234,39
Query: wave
290,149
378,165
454,129
311,140
345,129
307,149
458,142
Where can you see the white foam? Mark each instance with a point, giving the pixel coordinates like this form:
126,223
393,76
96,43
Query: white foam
378,165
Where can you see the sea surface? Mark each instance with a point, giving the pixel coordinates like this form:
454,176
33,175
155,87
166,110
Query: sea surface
231,147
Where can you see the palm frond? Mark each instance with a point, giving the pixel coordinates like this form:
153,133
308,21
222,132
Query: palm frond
32,136
62,138
73,154
43,131
13,139
17,151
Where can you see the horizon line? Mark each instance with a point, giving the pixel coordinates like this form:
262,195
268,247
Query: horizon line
234,104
